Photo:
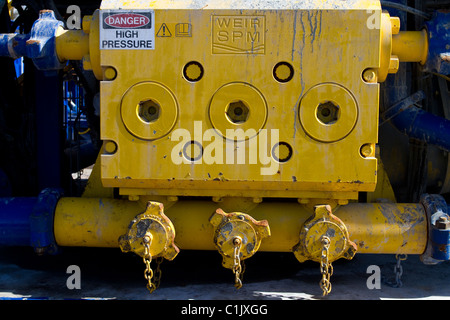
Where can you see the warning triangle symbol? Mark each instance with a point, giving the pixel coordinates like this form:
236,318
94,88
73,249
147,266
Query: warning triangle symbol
164,31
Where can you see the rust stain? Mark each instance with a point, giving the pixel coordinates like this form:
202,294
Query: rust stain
32,41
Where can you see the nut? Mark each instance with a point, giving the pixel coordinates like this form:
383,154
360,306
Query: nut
443,223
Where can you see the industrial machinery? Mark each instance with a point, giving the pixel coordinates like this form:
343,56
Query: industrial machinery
320,128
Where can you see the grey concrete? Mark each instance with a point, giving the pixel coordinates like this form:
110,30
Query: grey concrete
197,275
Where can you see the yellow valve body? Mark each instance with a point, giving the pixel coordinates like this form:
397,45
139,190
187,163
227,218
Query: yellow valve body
262,101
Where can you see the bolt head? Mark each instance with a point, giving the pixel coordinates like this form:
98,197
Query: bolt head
237,241
367,150
443,223
370,75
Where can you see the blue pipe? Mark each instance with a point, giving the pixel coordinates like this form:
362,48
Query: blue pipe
419,124
424,126
28,221
15,221
39,44
13,45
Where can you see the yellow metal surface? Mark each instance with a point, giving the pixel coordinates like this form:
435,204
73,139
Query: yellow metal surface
71,44
12,11
155,225
324,224
294,116
94,45
411,46
86,23
384,191
136,117
231,226
385,46
375,228
327,121
231,110
94,187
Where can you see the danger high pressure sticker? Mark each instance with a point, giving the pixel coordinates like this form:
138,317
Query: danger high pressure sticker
130,29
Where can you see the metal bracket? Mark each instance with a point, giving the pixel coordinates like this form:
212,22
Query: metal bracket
41,222
438,246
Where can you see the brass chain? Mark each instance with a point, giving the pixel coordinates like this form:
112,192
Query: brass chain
148,273
237,268
326,269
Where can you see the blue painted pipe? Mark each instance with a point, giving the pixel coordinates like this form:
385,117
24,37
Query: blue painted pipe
421,125
15,221
28,221
39,45
424,126
13,45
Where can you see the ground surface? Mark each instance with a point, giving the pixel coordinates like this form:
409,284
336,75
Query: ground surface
196,275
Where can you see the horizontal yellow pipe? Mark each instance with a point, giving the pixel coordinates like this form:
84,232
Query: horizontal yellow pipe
375,228
410,46
71,44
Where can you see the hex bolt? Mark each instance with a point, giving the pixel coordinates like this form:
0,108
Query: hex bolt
443,223
367,150
39,251
369,75
328,112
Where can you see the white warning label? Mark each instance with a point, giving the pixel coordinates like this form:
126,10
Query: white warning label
127,29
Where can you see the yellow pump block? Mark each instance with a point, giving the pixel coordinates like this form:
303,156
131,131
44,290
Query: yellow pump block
264,100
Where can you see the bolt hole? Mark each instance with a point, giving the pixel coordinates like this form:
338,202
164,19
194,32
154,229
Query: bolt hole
282,152
283,72
193,71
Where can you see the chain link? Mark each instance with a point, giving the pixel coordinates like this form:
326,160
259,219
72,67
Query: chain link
158,272
148,273
396,282
398,270
326,269
237,268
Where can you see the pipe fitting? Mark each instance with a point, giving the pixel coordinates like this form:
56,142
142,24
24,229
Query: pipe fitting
438,246
324,226
237,229
151,227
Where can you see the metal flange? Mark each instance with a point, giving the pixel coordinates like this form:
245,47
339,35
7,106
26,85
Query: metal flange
237,227
438,246
324,224
152,224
